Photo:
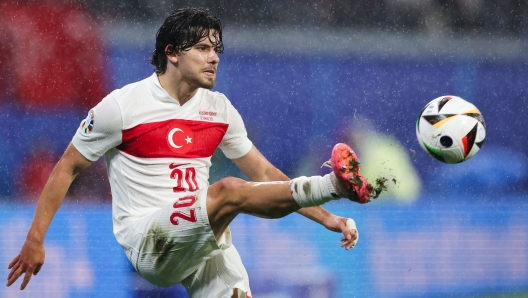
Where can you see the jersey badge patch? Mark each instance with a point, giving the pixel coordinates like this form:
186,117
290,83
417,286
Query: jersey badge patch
88,124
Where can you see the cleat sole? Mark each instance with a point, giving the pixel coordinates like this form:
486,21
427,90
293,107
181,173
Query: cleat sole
346,167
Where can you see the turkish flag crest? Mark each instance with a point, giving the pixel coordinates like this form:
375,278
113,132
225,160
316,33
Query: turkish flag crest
180,138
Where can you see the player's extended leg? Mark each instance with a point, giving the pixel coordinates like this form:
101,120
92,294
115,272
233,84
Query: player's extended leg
224,272
231,196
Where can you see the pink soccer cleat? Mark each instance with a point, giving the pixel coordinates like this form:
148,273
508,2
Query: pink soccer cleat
350,184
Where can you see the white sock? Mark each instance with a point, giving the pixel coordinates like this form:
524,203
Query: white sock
312,191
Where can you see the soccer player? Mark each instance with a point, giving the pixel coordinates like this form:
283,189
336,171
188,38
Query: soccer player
157,136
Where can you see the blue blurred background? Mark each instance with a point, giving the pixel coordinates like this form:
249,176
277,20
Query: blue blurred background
304,77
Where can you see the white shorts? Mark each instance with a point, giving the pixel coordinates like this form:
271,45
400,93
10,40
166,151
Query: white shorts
177,243
218,276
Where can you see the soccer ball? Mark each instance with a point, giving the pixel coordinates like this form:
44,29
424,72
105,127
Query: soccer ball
450,129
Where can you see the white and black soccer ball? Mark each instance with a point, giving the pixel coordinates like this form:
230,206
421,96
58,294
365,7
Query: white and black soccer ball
450,129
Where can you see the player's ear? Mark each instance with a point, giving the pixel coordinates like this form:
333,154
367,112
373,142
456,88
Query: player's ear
172,55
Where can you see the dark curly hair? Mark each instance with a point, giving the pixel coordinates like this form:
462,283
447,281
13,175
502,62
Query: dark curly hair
182,30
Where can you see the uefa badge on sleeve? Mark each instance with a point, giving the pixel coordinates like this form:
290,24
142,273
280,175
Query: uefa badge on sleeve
88,123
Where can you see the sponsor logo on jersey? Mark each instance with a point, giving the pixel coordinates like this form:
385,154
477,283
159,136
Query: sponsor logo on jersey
207,115
87,124
180,138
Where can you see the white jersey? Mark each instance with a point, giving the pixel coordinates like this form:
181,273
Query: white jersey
157,150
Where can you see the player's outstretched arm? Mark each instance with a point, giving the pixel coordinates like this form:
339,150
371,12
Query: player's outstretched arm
257,167
31,257
334,223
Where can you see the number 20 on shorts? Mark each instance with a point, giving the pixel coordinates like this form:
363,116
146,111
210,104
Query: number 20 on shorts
183,203
190,179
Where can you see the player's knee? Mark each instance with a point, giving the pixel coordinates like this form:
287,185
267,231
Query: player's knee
224,203
227,190
233,182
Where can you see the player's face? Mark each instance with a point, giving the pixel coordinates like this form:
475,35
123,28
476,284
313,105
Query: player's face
198,65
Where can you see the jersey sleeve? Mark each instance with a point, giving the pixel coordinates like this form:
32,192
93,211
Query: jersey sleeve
235,143
100,131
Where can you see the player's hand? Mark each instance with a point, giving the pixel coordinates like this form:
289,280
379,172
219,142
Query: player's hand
350,234
28,262
347,226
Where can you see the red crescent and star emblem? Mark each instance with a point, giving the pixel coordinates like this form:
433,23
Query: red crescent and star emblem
180,138
173,138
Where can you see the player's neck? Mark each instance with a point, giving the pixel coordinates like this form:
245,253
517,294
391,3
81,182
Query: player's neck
177,89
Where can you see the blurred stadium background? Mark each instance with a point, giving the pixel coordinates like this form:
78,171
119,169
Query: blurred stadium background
304,76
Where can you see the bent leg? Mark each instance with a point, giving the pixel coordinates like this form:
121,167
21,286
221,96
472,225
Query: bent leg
231,196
